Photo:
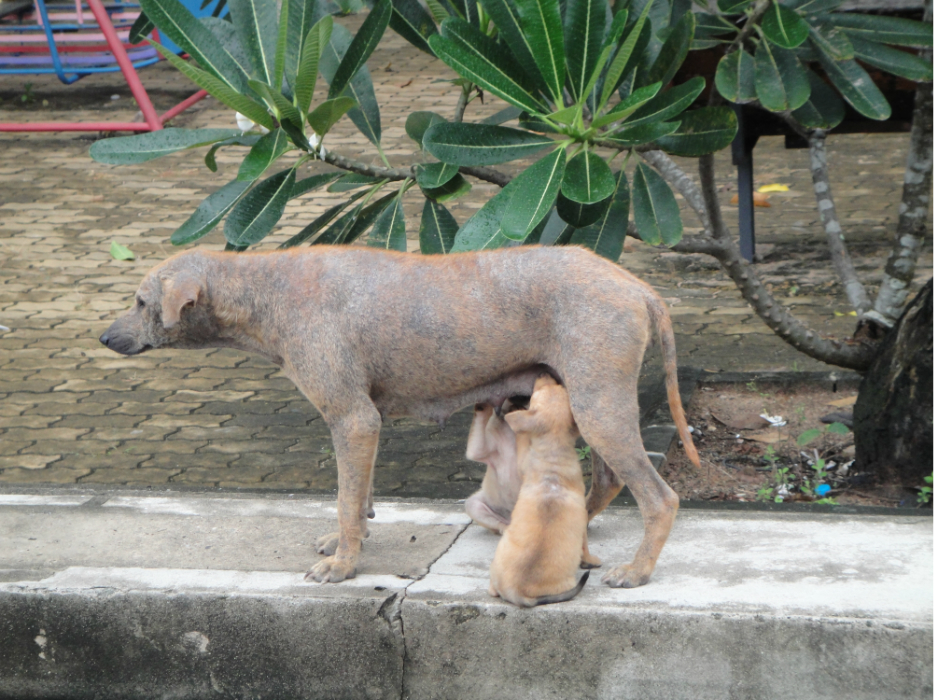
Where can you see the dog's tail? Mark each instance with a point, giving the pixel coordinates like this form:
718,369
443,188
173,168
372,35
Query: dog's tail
561,597
666,337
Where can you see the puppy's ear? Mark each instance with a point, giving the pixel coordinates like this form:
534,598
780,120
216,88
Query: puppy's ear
177,293
523,421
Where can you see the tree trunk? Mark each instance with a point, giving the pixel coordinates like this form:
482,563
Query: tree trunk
892,419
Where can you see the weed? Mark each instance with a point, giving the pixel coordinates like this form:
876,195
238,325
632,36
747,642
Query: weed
28,95
583,453
924,493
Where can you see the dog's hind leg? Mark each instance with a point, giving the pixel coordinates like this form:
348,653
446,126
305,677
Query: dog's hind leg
356,436
609,421
605,485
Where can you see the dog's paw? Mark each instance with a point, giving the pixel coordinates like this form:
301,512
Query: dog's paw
591,562
331,570
327,544
625,576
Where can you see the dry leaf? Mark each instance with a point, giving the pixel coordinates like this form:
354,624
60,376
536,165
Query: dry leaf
759,200
743,422
845,401
773,188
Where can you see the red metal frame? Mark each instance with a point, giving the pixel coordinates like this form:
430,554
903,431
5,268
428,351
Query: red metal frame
152,120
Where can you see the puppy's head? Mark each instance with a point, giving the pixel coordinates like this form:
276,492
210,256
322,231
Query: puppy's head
549,411
170,310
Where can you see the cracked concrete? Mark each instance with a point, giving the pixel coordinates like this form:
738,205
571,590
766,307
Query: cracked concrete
119,594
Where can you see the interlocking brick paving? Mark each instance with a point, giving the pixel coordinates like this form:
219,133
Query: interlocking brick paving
72,411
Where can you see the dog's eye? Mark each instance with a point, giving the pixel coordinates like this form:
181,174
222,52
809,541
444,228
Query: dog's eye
140,303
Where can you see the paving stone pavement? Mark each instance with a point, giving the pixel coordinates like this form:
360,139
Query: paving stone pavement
73,412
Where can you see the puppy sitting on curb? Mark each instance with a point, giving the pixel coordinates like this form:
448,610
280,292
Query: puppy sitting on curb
492,442
536,561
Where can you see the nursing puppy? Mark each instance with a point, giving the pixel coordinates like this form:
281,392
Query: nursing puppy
536,561
492,442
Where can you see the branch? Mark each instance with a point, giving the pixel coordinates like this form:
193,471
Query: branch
396,174
842,263
912,215
681,182
462,103
711,201
761,7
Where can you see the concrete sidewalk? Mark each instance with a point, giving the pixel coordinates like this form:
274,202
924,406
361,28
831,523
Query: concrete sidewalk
121,594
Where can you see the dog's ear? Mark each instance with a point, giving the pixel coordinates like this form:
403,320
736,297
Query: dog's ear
523,421
177,293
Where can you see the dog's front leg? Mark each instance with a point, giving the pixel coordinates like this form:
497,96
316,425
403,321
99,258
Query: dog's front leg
355,437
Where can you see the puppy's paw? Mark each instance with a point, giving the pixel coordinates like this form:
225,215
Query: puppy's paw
589,561
331,570
327,544
626,576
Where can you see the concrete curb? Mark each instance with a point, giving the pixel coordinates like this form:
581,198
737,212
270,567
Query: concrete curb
199,595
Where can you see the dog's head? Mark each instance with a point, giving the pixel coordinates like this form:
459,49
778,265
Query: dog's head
549,411
170,309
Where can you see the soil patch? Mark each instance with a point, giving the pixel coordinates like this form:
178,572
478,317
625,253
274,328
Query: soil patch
767,442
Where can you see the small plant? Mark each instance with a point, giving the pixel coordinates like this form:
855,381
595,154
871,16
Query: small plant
809,435
28,96
924,493
583,453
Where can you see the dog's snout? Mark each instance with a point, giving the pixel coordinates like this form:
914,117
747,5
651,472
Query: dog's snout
105,339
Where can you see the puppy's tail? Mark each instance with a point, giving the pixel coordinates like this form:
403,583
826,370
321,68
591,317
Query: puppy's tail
561,597
666,337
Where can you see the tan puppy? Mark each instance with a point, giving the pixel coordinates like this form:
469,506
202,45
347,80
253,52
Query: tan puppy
536,561
492,442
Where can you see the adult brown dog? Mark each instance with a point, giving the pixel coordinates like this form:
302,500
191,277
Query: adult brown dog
536,561
366,334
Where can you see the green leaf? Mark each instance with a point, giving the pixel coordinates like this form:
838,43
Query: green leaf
580,215
832,41
303,15
643,133
625,108
433,175
366,116
783,26
351,181
438,13
541,23
413,23
281,41
617,68
733,7
389,228
353,224
129,150
530,123
306,76
483,63
583,36
535,190
266,152
243,140
256,214
121,252
278,103
417,123
607,235
672,54
257,25
505,16
483,230
469,144
808,435
565,115
141,28
312,183
318,224
736,77
362,46
655,210
668,104
892,60
437,230
702,131
174,19
824,109
587,179
781,82
326,114
504,115
209,213
219,89
838,429
456,187
856,87
884,30
224,31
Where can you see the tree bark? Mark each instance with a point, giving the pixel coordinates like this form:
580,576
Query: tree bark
892,419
